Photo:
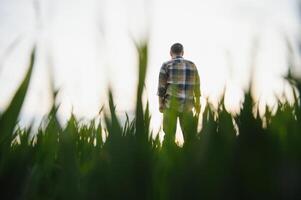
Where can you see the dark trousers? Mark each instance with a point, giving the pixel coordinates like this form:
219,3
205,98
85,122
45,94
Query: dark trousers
170,117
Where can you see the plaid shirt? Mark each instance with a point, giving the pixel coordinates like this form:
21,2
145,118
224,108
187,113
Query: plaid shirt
179,80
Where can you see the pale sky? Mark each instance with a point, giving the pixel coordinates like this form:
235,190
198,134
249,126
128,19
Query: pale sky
88,45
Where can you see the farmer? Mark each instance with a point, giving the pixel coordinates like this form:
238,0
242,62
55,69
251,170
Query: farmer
179,93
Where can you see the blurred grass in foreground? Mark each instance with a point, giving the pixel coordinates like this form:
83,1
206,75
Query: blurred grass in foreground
74,162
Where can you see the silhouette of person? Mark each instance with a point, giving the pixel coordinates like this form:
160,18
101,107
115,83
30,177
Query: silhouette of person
179,93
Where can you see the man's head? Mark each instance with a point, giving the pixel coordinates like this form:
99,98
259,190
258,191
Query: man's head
176,50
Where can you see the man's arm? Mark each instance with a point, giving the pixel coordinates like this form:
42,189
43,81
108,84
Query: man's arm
162,85
197,93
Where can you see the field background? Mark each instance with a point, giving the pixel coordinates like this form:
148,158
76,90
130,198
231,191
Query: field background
82,123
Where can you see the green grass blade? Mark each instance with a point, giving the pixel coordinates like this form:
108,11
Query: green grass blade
9,118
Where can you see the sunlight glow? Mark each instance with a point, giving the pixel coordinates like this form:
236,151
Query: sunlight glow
89,46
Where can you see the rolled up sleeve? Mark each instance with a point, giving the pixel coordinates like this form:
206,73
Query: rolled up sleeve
162,85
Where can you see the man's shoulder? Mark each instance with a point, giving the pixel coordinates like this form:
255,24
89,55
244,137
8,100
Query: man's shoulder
171,62
189,62
167,62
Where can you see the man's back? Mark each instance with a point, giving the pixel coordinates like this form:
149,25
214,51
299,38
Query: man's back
179,80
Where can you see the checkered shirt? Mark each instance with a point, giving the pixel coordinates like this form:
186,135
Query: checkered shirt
179,80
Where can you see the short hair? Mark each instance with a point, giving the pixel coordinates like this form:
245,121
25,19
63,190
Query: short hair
177,48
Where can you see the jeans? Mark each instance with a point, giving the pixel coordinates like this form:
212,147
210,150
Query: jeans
186,120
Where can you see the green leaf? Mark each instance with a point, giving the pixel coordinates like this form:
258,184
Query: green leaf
9,118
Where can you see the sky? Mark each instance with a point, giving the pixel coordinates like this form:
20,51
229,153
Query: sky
87,46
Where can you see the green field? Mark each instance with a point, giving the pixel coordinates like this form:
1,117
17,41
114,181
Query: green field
74,162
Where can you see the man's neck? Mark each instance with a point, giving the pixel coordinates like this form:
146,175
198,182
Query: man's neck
176,56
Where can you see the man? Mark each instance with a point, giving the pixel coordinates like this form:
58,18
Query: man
179,93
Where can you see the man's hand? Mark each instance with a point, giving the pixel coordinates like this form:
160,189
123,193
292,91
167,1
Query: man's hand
161,104
161,108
